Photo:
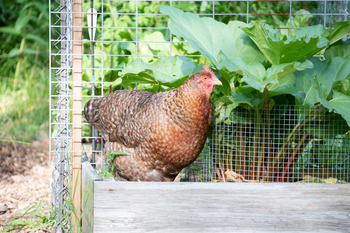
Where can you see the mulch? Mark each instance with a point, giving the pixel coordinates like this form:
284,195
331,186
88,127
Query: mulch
25,175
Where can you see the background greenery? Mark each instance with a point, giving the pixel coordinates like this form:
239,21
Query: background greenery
24,35
24,66
24,72
24,48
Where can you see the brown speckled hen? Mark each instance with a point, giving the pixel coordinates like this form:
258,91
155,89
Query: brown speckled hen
162,132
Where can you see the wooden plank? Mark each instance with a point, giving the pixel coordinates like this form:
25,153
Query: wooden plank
89,175
220,207
76,113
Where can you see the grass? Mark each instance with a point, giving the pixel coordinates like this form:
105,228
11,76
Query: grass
40,216
24,88
24,71
34,216
24,110
43,215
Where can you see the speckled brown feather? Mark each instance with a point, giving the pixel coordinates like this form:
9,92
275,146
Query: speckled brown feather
162,132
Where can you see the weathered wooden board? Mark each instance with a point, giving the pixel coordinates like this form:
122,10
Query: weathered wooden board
220,207
89,176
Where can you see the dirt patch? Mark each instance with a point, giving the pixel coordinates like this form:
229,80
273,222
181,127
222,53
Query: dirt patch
24,181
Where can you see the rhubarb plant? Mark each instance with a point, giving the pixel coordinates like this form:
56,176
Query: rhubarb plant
259,65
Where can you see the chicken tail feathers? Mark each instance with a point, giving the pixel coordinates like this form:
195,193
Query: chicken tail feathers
91,111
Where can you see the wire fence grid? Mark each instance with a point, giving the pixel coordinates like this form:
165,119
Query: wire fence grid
296,144
61,58
128,29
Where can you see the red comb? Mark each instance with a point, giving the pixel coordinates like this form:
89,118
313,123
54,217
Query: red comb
206,69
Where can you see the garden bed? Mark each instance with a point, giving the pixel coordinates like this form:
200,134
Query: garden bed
112,206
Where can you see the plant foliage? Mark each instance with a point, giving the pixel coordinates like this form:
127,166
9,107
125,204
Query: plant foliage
260,65
24,68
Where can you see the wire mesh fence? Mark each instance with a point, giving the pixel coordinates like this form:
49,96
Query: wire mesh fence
294,144
60,62
304,147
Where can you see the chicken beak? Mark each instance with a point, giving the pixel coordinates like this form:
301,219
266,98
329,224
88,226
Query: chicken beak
216,81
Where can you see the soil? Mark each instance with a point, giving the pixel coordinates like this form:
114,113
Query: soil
24,182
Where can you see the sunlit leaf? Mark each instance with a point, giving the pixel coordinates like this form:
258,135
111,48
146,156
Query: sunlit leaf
341,104
278,48
170,71
209,36
338,31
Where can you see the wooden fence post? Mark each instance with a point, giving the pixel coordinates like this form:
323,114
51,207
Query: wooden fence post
77,106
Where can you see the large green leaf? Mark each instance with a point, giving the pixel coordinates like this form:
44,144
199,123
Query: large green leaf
342,86
156,48
282,70
322,85
338,31
255,76
319,82
209,37
243,95
247,95
337,69
307,82
341,104
287,85
337,51
299,20
243,46
278,48
171,71
258,77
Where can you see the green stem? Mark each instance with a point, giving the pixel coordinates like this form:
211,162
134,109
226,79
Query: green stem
260,161
254,174
261,151
32,73
293,158
19,64
215,162
278,159
267,141
232,86
241,159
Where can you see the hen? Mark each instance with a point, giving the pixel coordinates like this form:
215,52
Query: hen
162,132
